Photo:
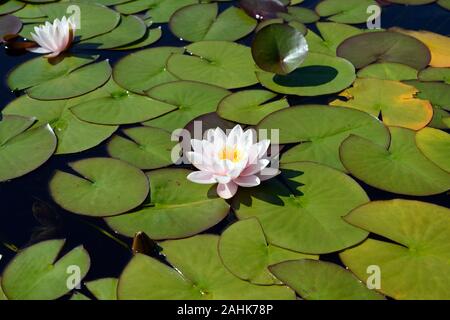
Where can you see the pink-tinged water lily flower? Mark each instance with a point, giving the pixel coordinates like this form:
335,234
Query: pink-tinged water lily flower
54,38
231,161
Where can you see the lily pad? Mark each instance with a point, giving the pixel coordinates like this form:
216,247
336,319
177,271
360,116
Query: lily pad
2,294
151,36
388,71
9,26
129,30
188,99
304,213
103,289
221,63
103,187
435,92
321,130
332,34
435,145
95,19
199,275
202,22
319,74
30,11
444,4
68,78
299,14
142,70
384,46
250,106
349,11
22,149
320,280
172,212
36,273
146,148
74,135
415,265
435,74
159,11
279,48
401,169
114,105
10,6
395,101
263,9
438,44
246,253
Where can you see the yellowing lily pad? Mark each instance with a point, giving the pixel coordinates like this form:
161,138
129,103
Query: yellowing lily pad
144,147
320,131
438,44
435,145
172,212
395,101
198,274
304,212
38,273
246,253
250,106
415,265
225,64
401,169
103,187
320,280
23,149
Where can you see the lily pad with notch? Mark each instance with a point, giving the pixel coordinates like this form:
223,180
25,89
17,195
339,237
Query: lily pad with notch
157,11
435,145
349,11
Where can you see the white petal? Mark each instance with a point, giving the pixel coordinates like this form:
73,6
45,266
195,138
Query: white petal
268,173
39,50
220,138
201,177
262,147
255,168
227,191
249,181
235,135
222,179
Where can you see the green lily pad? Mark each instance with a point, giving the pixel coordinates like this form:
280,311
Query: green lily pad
320,280
159,11
199,275
37,272
245,252
412,2
104,187
104,2
3,297
68,78
305,212
299,14
103,289
172,212
436,92
319,74
415,266
321,130
444,4
114,105
129,30
435,74
30,11
202,22
10,6
144,147
221,63
385,46
295,24
142,70
250,106
349,11
22,149
77,296
395,101
388,71
263,9
189,99
401,169
9,25
150,37
279,48
95,19
332,34
435,145
74,135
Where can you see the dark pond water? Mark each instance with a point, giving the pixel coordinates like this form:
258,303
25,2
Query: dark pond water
19,227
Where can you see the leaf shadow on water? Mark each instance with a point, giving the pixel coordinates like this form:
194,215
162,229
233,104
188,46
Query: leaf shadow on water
271,191
308,76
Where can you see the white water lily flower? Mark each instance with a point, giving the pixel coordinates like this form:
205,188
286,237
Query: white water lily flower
54,38
231,161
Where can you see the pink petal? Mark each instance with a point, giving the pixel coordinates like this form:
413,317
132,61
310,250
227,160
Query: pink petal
39,50
249,181
255,168
201,177
268,173
228,190
222,179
